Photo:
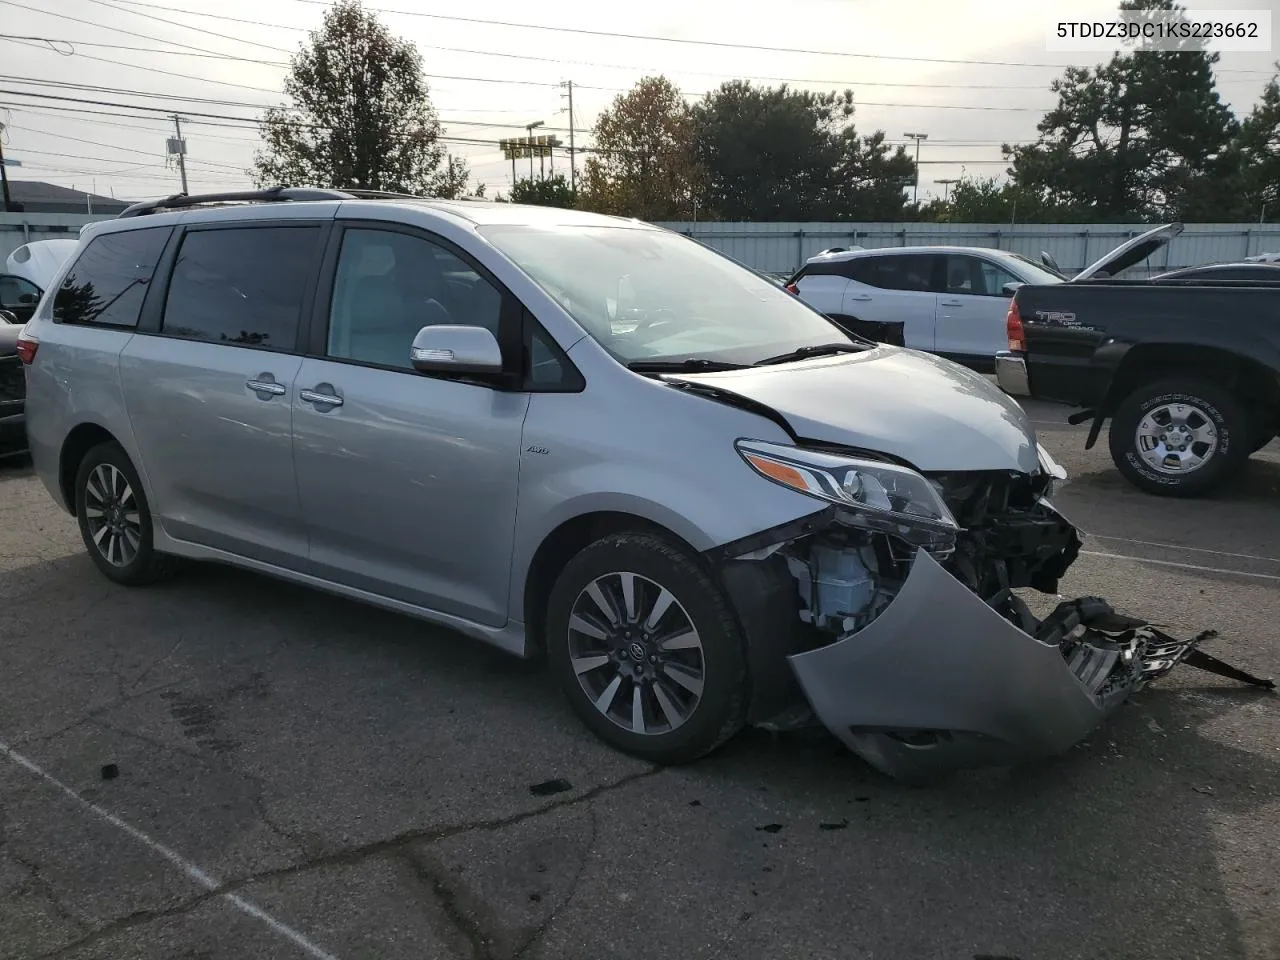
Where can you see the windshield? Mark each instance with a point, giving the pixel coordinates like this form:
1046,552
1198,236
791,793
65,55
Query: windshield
1036,272
648,295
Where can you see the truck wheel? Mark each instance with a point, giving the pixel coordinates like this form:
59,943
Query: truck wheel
1179,438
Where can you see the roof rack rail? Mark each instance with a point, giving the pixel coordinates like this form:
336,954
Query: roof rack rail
270,195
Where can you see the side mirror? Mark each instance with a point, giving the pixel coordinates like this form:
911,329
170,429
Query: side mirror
26,299
7,317
1010,289
455,349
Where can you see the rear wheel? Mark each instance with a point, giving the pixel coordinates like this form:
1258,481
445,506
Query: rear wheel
647,649
1180,438
115,519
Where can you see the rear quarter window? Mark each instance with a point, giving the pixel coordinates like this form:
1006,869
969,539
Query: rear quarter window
108,281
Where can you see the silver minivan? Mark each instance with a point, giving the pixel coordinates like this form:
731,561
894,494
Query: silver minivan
578,437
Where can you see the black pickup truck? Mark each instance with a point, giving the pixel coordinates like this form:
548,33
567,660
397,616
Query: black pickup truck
1186,369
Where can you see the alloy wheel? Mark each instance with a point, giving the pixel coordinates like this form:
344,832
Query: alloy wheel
636,653
1176,438
111,512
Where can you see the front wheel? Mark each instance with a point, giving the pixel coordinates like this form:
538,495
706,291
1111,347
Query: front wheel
1179,438
647,649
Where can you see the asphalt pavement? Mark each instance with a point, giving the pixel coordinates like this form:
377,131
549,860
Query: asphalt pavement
230,767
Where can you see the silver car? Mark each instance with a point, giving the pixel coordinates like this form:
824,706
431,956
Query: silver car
580,437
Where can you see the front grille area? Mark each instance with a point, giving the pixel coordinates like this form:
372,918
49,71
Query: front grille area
13,384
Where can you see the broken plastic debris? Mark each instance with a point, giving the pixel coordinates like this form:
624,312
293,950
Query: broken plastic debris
769,828
110,771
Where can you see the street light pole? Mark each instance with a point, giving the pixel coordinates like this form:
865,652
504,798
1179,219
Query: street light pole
917,137
530,127
946,188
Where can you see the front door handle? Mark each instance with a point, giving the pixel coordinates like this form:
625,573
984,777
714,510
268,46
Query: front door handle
323,395
264,383
951,303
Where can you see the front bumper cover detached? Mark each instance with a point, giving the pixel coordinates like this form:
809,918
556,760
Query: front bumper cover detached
941,681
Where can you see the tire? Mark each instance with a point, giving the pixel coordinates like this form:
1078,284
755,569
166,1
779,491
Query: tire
105,481
662,659
1232,432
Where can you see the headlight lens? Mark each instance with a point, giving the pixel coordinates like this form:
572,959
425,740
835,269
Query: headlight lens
878,496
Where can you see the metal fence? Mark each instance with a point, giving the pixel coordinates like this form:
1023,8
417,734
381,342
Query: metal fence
19,228
783,247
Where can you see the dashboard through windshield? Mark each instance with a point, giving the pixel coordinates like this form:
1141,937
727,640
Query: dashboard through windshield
649,295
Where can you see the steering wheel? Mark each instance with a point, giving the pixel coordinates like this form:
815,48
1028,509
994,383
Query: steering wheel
655,317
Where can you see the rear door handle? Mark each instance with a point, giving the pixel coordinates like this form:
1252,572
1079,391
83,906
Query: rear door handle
260,385
322,396
952,303
863,296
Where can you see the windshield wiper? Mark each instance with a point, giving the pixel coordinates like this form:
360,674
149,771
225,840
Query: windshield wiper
817,350
687,365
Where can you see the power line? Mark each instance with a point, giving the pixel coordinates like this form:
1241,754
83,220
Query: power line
104,26
607,66
638,36
187,26
139,66
722,44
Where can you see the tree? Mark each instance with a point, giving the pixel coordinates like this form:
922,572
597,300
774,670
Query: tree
549,192
1145,135
361,115
1258,147
773,153
870,179
643,163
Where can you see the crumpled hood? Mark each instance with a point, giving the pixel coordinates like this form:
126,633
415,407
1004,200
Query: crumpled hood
936,415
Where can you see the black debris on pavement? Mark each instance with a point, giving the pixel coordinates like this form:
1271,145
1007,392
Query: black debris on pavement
548,787
695,803
110,771
838,825
769,828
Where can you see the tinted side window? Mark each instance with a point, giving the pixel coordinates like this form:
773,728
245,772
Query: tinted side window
390,285
242,286
17,292
109,280
905,272
863,270
978,278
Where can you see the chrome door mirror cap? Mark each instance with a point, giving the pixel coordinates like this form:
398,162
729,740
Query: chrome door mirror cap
447,348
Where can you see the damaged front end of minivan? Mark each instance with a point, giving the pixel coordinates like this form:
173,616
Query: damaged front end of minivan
896,612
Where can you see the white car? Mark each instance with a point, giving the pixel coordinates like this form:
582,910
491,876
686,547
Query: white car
952,301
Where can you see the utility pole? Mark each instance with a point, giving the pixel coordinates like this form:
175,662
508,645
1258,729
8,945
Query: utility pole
4,176
573,164
917,137
178,147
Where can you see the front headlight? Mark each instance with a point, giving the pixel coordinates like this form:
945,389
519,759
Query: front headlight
876,496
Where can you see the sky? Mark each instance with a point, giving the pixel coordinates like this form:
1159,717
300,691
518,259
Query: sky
971,74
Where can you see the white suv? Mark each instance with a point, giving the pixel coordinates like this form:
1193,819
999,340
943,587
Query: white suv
946,300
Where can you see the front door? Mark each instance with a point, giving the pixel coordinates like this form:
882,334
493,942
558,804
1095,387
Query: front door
972,310
208,393
408,482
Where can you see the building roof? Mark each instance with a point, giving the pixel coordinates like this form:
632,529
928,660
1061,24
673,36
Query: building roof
37,196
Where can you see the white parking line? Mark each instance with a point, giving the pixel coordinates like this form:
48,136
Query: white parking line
1179,546
186,866
1182,566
